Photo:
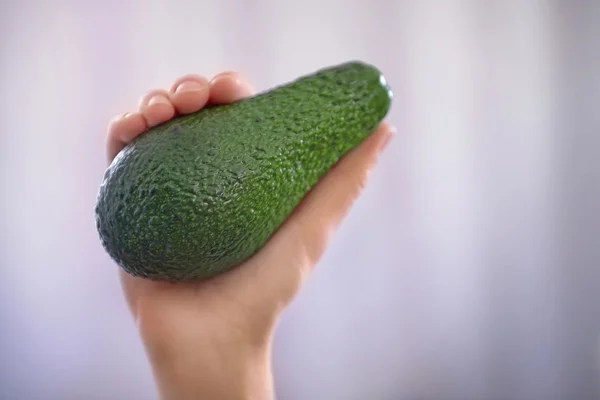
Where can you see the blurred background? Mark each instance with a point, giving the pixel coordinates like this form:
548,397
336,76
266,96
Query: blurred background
470,267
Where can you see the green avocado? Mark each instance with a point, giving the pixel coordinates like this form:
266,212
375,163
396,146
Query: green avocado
200,194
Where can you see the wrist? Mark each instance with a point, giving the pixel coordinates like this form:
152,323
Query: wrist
213,369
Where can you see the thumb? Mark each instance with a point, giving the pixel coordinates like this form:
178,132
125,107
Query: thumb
275,274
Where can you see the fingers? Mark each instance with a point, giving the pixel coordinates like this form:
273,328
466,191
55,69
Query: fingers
188,94
279,269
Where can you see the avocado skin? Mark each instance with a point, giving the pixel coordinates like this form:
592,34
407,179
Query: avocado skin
200,194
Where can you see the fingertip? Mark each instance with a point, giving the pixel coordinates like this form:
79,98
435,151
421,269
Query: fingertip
126,125
228,87
156,107
189,93
370,148
123,129
387,127
385,132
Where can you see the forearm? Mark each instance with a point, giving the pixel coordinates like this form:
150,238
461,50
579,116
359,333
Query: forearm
213,372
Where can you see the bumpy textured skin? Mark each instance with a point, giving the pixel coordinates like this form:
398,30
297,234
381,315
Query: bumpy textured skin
200,194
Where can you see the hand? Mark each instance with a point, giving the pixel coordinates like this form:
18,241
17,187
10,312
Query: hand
212,339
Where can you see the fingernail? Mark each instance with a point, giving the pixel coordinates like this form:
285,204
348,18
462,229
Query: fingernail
190,86
158,99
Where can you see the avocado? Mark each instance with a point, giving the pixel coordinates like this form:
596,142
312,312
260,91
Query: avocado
200,194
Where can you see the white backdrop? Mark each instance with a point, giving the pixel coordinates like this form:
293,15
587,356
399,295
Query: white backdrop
468,270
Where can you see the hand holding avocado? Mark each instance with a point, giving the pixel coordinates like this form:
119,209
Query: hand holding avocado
211,338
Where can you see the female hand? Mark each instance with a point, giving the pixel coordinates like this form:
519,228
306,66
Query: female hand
212,339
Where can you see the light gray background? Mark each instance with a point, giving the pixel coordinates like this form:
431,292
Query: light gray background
468,270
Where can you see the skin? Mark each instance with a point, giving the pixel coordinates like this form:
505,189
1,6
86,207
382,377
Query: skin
213,339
